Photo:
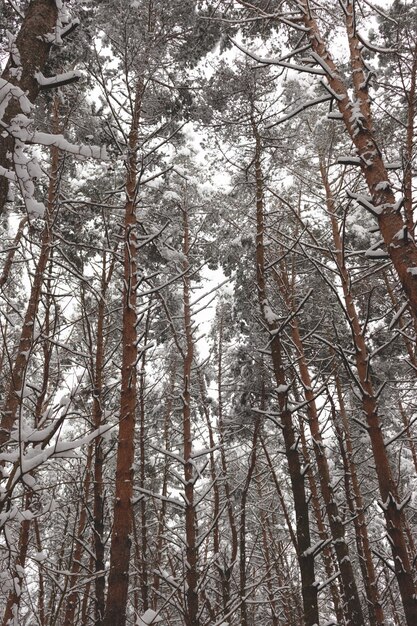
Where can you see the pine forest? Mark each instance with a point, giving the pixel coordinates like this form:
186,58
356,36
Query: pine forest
208,313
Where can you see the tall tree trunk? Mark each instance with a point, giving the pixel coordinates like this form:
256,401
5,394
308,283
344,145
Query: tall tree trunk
13,396
226,569
328,556
73,595
357,510
13,600
393,509
243,590
357,118
165,477
337,528
143,562
191,550
118,584
305,554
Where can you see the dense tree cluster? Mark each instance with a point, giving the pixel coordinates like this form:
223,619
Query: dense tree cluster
208,313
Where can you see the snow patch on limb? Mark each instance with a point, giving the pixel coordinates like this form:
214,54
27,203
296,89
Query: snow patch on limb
149,617
412,270
9,91
357,118
20,128
8,174
374,252
63,22
58,80
399,505
365,202
27,168
33,458
399,312
282,388
269,315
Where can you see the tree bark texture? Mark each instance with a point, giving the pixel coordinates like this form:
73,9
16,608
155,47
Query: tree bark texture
118,584
304,553
39,20
357,118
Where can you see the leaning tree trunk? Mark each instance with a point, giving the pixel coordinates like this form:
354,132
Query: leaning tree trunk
357,117
393,509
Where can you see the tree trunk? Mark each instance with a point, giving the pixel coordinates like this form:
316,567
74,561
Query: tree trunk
393,509
73,595
305,555
357,510
40,19
118,584
13,397
191,551
399,243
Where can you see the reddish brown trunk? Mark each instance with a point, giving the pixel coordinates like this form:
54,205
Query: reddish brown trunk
401,248
191,553
337,527
13,395
73,595
394,514
12,251
409,146
305,555
97,367
143,560
41,585
213,471
357,509
164,491
117,595
326,552
13,599
243,591
227,569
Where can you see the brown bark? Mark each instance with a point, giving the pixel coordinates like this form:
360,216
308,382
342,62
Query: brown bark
117,595
268,560
41,584
401,249
191,551
13,599
408,434
326,552
229,561
337,527
357,509
39,20
164,490
73,595
243,591
97,367
13,398
305,555
12,251
409,146
143,561
395,519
